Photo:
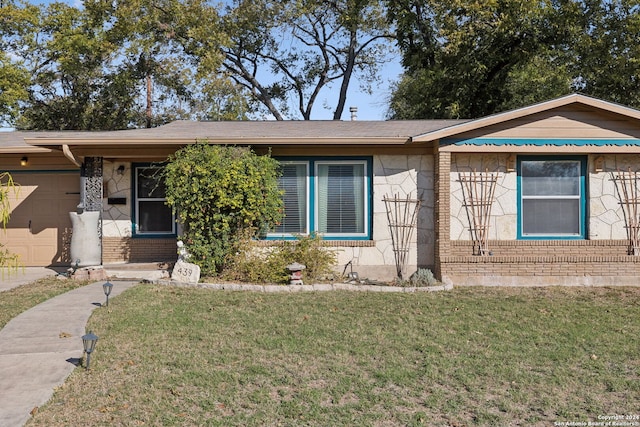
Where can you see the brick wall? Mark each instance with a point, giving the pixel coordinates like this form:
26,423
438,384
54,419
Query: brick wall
116,249
543,248
442,208
578,262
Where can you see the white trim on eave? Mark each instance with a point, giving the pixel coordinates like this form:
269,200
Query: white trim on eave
24,150
527,111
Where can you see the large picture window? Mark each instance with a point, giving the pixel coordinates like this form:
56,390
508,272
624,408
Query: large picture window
551,195
152,215
327,196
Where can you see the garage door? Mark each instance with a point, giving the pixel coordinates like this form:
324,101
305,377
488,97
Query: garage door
39,229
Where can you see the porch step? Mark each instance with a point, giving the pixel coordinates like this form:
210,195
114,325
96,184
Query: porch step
138,271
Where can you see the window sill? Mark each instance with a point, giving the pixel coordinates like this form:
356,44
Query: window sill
327,243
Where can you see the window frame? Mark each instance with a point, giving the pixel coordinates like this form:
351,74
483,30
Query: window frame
312,213
135,220
581,197
308,213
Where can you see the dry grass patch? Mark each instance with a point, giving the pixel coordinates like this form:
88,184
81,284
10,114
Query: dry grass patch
473,356
16,300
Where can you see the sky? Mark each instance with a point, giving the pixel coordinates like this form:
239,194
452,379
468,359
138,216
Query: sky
370,106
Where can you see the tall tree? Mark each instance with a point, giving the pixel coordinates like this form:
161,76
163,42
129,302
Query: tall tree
283,54
114,65
108,65
71,86
463,59
14,80
470,59
14,76
149,54
606,51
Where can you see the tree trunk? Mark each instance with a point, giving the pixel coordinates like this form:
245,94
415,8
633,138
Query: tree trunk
149,113
342,99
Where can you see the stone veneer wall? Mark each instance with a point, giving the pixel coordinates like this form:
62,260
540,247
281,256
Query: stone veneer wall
392,174
606,214
402,175
601,260
116,219
117,242
504,212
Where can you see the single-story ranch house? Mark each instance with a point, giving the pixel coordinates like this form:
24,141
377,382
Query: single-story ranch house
546,194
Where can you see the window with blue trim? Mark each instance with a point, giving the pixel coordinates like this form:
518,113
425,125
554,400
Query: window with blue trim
151,213
551,197
328,196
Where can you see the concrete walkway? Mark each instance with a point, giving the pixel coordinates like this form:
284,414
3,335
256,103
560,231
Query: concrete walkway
13,279
41,347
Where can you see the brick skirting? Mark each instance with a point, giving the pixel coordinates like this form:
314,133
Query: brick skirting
542,262
543,248
115,249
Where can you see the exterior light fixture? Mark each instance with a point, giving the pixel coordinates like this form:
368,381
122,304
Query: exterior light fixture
24,161
107,287
89,342
120,170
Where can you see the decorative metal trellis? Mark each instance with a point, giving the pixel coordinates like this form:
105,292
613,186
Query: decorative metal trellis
629,192
91,185
478,191
402,215
91,189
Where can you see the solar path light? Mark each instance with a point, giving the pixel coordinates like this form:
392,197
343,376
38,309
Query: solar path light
89,342
107,291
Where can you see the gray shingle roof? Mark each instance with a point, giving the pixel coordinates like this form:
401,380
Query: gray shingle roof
242,131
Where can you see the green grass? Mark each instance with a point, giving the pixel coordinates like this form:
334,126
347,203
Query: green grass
17,300
474,356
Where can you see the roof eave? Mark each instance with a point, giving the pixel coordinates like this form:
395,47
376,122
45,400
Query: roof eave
24,149
37,142
527,111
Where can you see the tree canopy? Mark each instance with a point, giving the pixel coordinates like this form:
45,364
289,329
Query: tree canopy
307,45
470,59
114,65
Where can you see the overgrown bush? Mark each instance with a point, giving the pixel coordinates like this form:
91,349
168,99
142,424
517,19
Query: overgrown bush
221,193
256,263
8,261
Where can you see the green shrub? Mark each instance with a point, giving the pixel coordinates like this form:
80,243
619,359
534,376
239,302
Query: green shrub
220,194
8,261
256,263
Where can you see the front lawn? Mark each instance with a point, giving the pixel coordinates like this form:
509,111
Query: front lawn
472,356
